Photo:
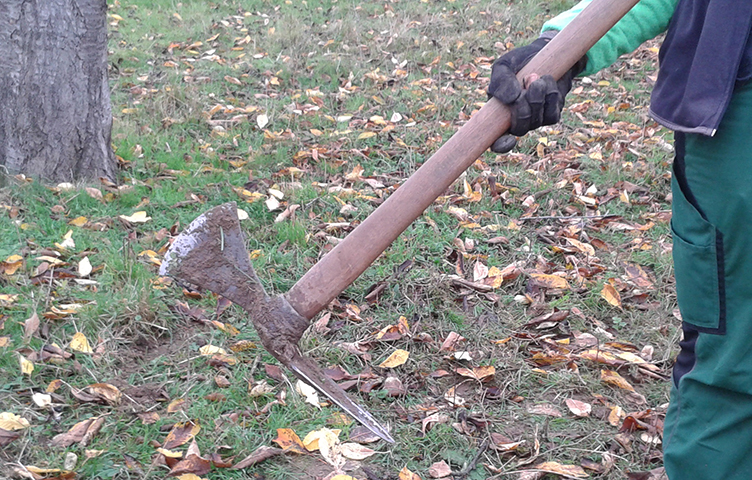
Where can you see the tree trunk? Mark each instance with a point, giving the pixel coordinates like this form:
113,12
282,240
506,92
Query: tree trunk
55,113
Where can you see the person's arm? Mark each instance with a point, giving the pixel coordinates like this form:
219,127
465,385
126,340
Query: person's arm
646,20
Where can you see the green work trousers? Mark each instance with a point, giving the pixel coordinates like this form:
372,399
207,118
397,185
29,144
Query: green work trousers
708,428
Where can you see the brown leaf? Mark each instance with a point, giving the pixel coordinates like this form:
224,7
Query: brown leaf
361,434
259,455
440,469
31,325
639,276
7,436
180,434
452,342
544,409
483,373
192,463
81,432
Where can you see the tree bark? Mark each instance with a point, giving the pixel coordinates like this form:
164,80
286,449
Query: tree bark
55,113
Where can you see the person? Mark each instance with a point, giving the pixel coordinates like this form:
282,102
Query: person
704,94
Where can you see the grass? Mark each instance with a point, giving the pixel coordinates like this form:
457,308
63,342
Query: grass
296,96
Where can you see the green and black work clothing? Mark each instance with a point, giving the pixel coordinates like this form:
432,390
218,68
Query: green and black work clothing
703,93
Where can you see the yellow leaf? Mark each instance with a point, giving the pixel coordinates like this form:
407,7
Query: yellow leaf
289,441
26,366
365,135
11,264
611,295
311,441
137,217
11,421
170,453
616,415
176,405
573,471
399,357
211,350
550,281
406,474
79,343
4,341
78,221
613,378
54,385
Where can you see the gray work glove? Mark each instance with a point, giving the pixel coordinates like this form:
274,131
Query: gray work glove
539,103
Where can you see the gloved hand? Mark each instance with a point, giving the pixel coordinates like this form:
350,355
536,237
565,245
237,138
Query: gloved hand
538,103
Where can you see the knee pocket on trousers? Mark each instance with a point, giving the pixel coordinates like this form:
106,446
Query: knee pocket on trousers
698,265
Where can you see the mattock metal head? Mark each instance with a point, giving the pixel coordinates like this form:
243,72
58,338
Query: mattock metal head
211,254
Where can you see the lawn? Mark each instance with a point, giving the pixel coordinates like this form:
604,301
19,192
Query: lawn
523,327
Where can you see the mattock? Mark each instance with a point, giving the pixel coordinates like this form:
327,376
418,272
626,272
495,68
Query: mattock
211,253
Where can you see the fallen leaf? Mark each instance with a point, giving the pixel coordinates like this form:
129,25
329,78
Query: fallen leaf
180,434
262,120
177,405
483,373
259,455
31,325
7,436
193,463
433,419
211,350
84,267
544,409
578,408
137,217
550,281
42,400
354,451
82,432
11,421
289,441
406,474
397,358
79,343
440,469
611,295
613,378
452,342
26,366
616,415
310,394
109,394
574,471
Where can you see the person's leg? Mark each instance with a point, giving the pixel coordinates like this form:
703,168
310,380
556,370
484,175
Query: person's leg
708,430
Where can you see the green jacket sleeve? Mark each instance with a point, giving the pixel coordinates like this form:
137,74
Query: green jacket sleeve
645,21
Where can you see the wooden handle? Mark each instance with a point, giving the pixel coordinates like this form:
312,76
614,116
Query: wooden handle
341,266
